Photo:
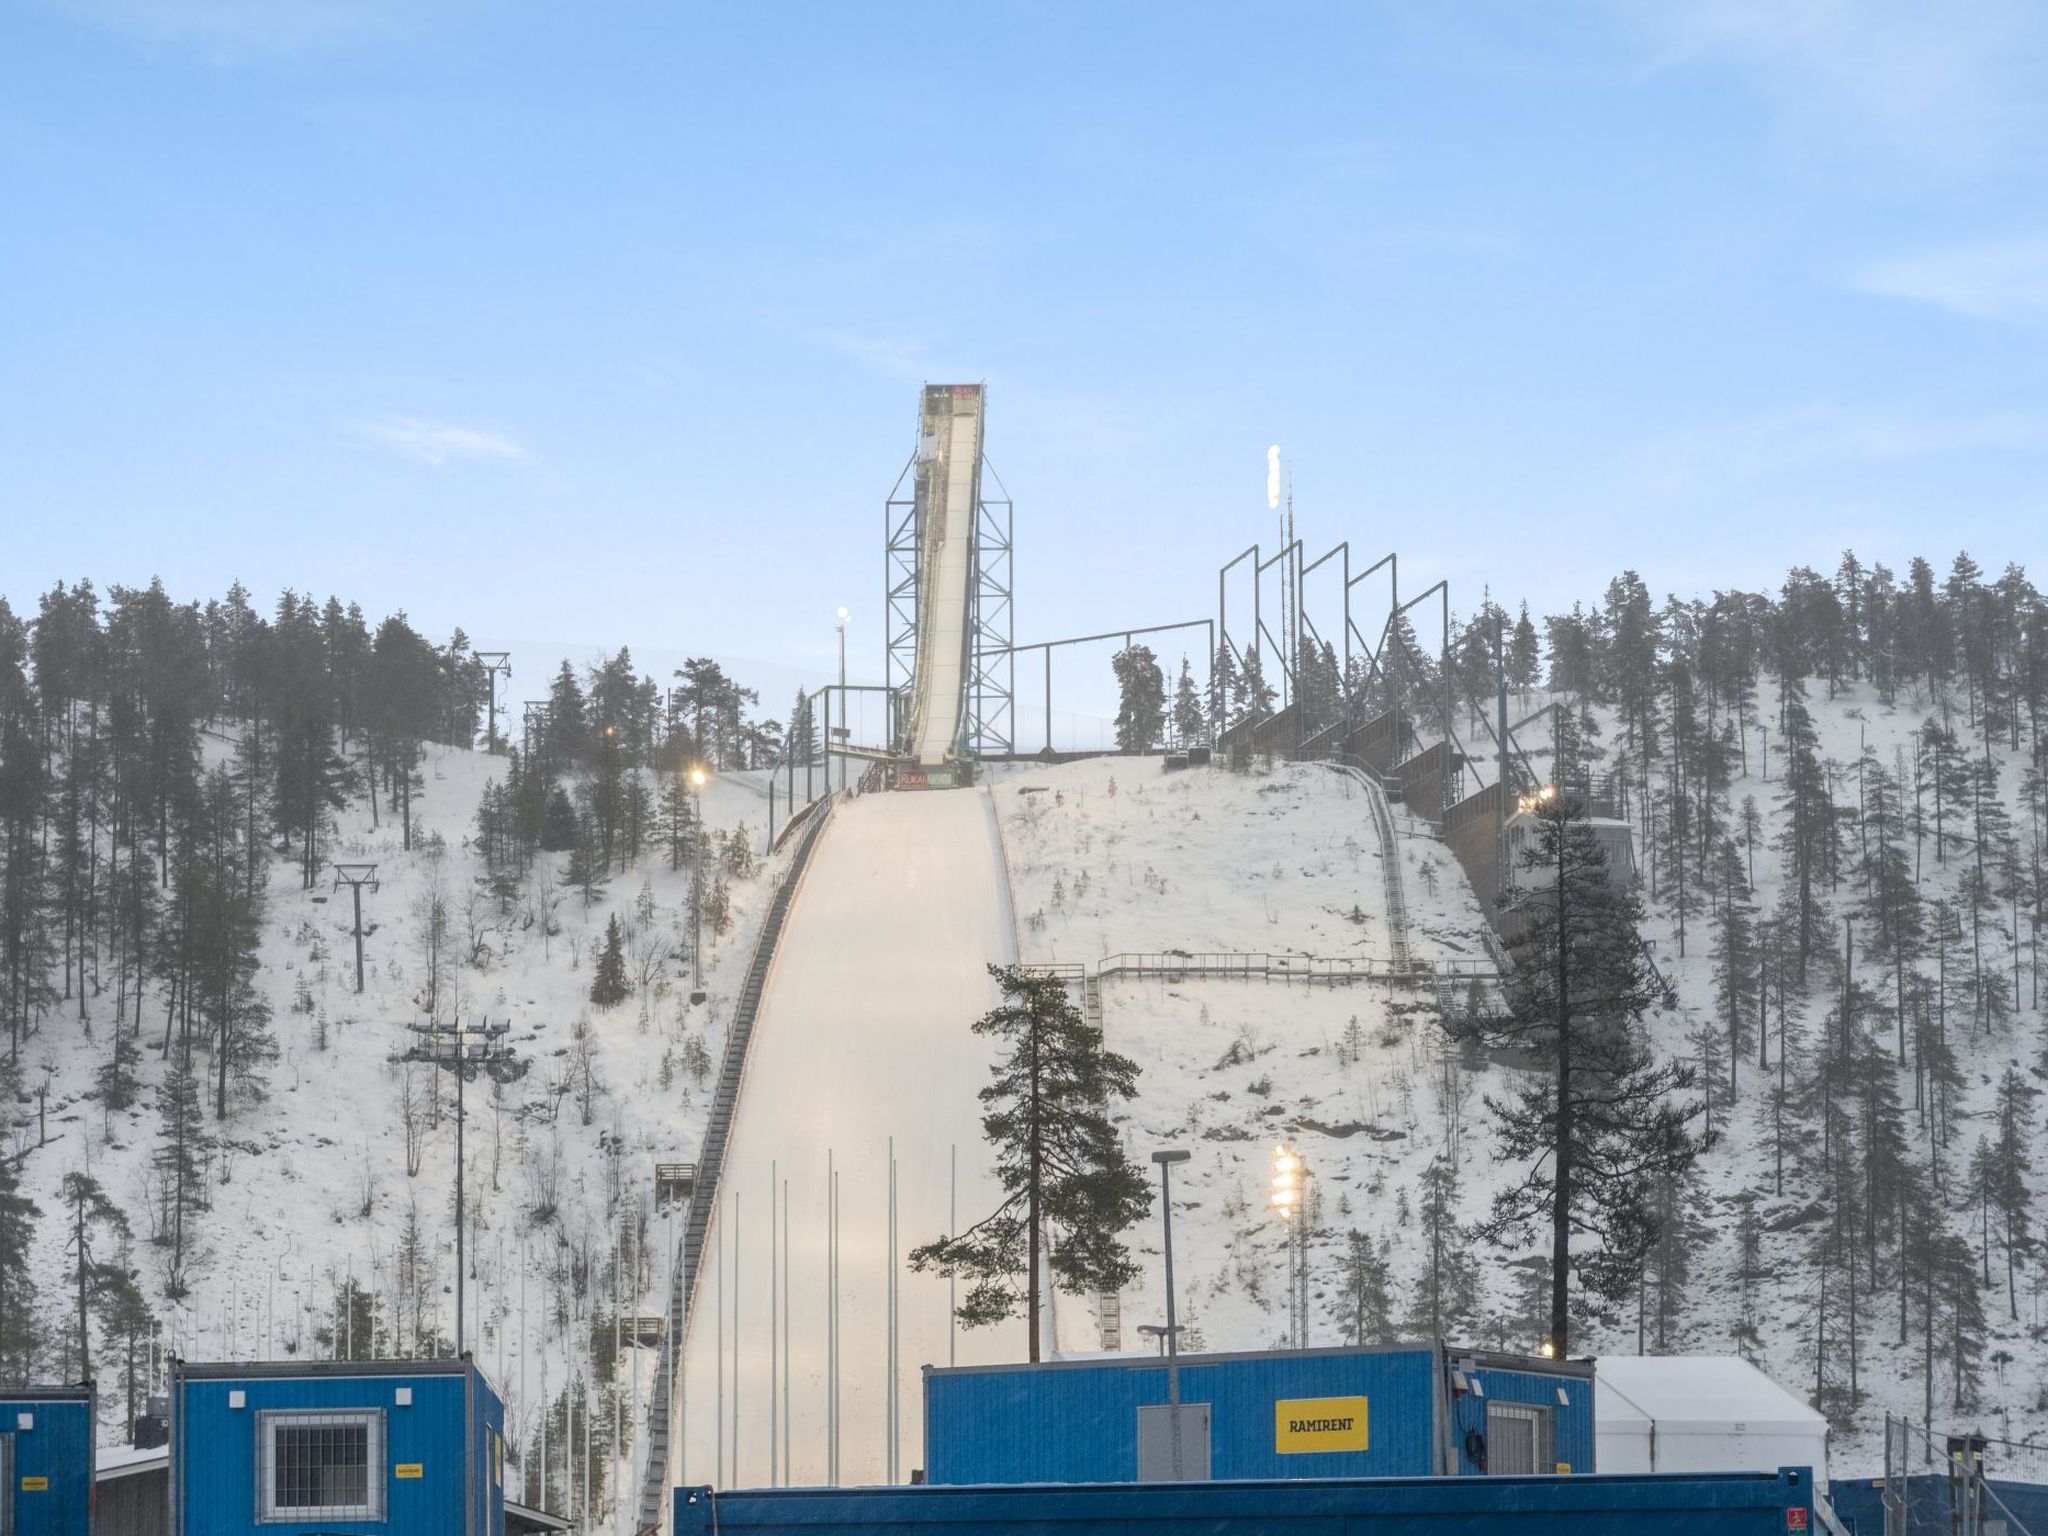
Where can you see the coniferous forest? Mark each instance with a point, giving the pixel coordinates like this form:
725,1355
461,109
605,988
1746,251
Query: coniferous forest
1837,792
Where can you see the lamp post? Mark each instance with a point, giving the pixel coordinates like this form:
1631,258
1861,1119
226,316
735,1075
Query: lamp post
844,617
1166,1160
699,777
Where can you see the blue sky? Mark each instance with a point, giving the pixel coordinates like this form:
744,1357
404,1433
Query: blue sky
604,322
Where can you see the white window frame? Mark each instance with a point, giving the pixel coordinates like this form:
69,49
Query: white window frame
269,1421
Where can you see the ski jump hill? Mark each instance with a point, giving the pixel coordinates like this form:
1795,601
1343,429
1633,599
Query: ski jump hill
798,1340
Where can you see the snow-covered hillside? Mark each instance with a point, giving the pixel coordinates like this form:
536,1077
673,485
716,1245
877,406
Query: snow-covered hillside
1365,1084
313,1190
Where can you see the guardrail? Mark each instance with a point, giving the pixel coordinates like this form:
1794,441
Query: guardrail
1241,965
1330,969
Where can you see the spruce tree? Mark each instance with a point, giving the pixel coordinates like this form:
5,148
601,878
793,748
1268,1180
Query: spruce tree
1190,720
1069,1192
609,986
1444,1297
1366,1302
21,1333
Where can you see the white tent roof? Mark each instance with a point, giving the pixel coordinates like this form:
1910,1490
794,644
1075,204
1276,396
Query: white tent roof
1684,1394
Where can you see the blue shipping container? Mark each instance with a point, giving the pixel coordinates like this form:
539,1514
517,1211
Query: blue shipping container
46,1461
341,1448
1705,1504
1397,1411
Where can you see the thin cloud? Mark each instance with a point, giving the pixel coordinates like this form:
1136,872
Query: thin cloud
1955,85
439,443
1764,448
2003,280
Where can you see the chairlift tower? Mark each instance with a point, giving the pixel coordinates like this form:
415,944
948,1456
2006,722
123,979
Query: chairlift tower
475,1044
356,877
496,664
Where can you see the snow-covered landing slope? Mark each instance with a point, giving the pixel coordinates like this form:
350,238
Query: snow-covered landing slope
863,1036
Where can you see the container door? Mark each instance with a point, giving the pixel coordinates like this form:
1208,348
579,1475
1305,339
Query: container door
1156,1449
1518,1440
8,1490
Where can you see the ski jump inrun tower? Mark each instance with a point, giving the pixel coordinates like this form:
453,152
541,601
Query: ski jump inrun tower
948,597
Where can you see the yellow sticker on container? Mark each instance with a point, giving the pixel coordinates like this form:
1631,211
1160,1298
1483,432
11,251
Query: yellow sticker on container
1563,1467
35,1485
408,1469
1303,1424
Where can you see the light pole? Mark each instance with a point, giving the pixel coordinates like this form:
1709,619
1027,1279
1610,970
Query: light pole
699,777
844,616
1290,1185
1166,1160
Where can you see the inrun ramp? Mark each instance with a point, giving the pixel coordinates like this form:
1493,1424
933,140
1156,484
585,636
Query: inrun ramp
863,1034
949,490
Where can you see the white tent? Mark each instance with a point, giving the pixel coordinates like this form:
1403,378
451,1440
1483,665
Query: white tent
1700,1413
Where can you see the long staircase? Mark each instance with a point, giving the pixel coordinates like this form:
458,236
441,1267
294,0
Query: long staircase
710,1164
1390,864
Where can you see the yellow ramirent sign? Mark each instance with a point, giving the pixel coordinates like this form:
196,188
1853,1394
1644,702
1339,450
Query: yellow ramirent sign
1319,1424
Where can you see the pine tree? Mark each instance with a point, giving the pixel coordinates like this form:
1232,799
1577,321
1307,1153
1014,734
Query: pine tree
178,1164
609,986
1599,1120
1068,1190
98,1284
2010,1162
1141,698
1735,959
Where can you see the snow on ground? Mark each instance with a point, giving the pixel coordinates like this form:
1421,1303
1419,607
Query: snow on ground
1209,860
1284,859
862,1037
288,1224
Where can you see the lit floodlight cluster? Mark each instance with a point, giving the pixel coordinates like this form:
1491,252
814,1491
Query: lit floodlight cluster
1290,1173
1536,799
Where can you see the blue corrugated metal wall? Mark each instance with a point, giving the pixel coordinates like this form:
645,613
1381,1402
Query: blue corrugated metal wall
1572,1419
57,1447
1725,1504
488,1458
216,1444
1078,1423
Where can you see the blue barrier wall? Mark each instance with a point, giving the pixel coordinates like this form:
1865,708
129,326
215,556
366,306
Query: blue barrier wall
50,1430
1728,1504
438,1468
